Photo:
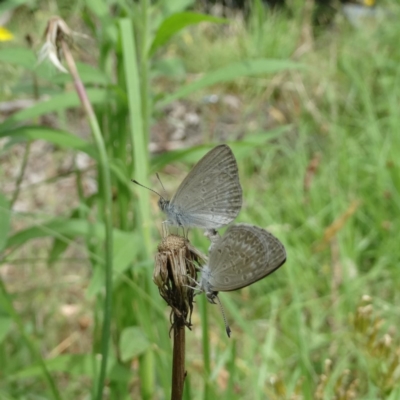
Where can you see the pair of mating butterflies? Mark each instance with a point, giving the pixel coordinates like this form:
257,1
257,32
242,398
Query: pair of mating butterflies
210,197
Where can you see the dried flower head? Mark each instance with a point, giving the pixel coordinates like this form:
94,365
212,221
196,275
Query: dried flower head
175,274
56,31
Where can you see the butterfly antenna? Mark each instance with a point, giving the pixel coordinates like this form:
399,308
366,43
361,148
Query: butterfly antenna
228,330
159,180
151,190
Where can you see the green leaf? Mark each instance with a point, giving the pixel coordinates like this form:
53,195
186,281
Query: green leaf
231,72
19,56
120,173
5,326
133,343
57,249
10,143
65,140
10,5
169,67
59,246
75,365
4,221
56,103
63,230
58,228
241,149
171,7
87,73
60,138
177,22
98,7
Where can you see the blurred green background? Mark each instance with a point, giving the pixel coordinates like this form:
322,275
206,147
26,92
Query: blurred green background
310,107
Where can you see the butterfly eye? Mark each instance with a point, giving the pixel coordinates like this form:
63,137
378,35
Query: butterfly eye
162,203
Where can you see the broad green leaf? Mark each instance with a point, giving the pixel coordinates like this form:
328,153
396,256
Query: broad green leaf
10,143
57,249
96,283
133,343
171,7
177,22
229,73
125,250
120,173
10,5
4,221
60,138
77,365
241,149
169,67
73,364
58,228
67,141
18,56
5,326
59,246
98,7
87,73
56,103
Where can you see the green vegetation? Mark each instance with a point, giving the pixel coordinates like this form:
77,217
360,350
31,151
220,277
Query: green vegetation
313,119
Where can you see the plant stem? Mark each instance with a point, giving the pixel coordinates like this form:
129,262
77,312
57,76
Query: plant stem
105,185
178,359
206,348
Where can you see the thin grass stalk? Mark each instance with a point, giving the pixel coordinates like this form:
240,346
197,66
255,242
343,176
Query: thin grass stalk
106,194
144,70
141,168
35,90
230,391
7,304
206,348
302,334
21,173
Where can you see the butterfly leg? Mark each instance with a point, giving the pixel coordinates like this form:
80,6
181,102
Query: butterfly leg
185,233
164,229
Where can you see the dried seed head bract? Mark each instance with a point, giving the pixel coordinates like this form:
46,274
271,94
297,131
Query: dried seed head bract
174,274
57,31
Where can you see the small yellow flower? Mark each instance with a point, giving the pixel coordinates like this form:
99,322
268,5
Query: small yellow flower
5,35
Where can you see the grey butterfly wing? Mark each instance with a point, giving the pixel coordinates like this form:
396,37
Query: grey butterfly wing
244,255
210,196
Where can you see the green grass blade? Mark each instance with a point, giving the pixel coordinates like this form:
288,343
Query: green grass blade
4,221
176,22
229,73
138,124
57,137
56,103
